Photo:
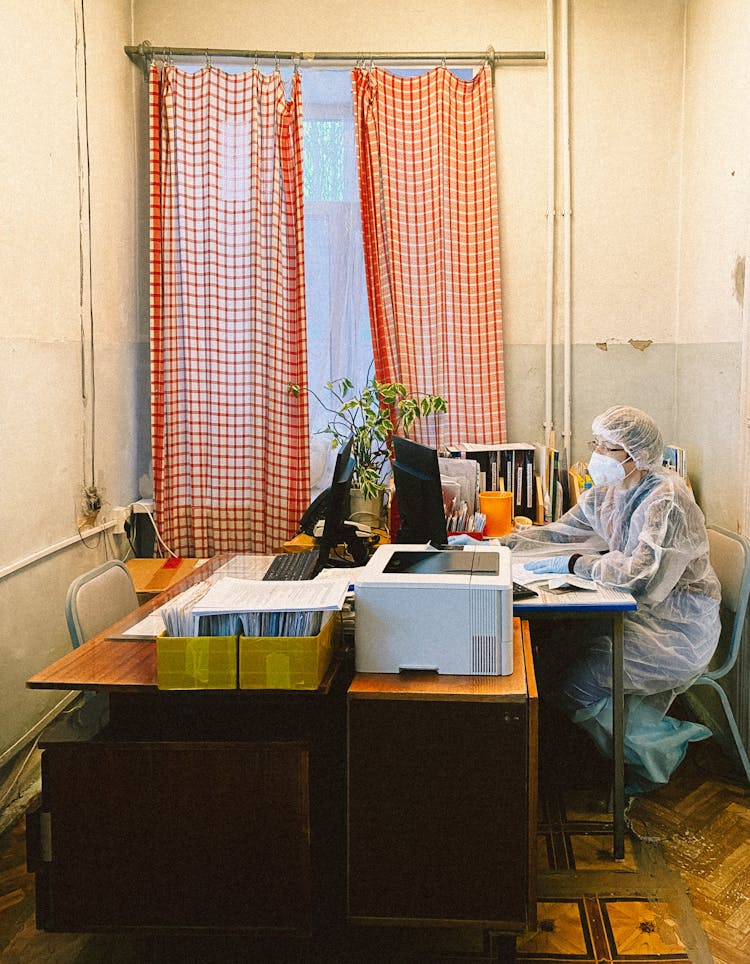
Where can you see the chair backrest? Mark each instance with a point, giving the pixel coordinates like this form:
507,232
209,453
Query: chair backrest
97,599
730,558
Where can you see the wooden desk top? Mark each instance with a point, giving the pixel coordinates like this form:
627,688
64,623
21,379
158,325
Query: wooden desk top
520,685
152,576
108,664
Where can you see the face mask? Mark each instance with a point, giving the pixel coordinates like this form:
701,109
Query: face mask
605,470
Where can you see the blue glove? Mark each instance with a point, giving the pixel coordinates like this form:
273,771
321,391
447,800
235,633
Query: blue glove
463,540
551,564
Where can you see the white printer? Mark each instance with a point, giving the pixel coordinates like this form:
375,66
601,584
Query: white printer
449,610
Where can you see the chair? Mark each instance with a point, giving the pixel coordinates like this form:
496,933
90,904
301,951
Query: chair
97,599
730,558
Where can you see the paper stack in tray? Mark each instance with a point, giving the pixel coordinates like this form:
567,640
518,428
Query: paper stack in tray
234,606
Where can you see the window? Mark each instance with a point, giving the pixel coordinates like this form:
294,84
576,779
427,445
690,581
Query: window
338,326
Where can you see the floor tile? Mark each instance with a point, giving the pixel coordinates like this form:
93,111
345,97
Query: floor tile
638,929
562,930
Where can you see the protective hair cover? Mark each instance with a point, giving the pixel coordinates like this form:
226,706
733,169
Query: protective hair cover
634,430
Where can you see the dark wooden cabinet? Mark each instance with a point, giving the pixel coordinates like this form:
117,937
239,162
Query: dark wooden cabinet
170,834
195,810
442,798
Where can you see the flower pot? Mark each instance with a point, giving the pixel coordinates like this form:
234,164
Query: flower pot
367,511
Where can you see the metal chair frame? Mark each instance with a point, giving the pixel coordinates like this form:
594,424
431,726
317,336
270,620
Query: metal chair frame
121,599
735,591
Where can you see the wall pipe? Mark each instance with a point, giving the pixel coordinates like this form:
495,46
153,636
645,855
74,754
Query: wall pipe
551,216
567,223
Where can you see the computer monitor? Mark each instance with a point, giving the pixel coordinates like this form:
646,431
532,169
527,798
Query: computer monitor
338,501
419,493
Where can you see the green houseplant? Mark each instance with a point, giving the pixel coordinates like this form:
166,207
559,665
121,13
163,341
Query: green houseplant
371,415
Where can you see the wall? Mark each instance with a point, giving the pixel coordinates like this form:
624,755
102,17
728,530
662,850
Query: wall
714,240
47,428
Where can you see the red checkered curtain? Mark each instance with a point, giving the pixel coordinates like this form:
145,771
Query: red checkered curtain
426,155
230,446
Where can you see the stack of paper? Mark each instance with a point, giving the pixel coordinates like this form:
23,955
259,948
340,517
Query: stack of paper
287,608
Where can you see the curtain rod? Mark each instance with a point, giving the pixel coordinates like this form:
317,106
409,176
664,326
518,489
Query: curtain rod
146,51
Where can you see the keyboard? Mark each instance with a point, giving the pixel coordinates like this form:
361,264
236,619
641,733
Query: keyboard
523,592
293,566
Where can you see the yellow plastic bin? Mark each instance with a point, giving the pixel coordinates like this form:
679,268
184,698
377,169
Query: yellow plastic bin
196,662
287,662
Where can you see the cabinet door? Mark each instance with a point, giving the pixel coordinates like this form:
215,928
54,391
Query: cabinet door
169,834
438,808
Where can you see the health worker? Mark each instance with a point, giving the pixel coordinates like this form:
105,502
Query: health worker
638,529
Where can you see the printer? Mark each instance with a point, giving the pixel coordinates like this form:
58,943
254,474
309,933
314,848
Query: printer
447,610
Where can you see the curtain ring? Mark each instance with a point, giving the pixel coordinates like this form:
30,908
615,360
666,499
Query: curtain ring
255,64
208,60
276,61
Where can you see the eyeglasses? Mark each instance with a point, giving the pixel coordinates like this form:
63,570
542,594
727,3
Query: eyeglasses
597,446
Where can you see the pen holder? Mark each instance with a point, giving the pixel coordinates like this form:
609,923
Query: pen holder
497,507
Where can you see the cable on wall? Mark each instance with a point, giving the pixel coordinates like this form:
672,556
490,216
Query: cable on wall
88,381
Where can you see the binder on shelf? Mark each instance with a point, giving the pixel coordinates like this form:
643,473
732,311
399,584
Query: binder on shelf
539,511
509,467
674,458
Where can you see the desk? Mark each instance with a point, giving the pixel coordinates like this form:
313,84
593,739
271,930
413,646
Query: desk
152,576
588,604
201,809
227,809
442,797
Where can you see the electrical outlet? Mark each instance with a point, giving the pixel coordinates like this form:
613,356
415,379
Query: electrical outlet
120,515
89,506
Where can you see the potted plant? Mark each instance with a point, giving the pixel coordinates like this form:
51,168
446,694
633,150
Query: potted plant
371,415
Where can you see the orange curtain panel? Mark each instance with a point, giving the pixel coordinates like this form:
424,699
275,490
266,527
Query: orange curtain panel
428,189
230,447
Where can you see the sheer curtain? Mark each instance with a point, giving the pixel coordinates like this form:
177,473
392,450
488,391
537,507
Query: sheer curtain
426,156
338,322
230,446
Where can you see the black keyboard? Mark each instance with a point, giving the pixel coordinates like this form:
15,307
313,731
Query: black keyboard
293,566
523,592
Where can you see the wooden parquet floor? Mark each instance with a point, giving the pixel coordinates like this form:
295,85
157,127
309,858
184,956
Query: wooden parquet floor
682,893
701,821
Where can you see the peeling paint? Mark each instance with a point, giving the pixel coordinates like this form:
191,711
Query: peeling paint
739,280
641,345
601,345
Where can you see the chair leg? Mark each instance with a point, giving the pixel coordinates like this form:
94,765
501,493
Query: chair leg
728,713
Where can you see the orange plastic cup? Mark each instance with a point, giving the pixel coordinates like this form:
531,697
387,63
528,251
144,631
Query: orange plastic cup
498,507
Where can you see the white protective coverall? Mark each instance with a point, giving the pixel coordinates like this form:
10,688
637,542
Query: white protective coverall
649,539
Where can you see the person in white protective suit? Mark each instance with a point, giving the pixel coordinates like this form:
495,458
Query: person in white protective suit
639,529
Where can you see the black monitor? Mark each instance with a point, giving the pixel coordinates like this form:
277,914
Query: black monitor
419,493
338,502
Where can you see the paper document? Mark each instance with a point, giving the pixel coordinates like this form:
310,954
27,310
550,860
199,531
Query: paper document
241,595
525,577
248,567
152,625
288,608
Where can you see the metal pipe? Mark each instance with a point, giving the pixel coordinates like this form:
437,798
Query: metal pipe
567,224
551,216
146,51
